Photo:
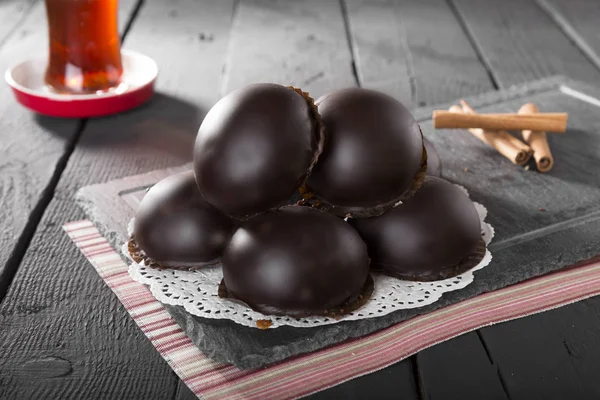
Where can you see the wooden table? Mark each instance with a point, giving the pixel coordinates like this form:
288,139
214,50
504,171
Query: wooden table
64,335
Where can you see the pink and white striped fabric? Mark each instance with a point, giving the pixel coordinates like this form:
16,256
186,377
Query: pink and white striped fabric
304,375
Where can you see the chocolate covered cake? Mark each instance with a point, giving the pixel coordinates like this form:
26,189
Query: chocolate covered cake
360,155
436,234
175,227
297,261
256,147
373,156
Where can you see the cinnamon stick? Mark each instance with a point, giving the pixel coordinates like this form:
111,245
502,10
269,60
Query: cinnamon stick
507,136
538,142
499,141
547,122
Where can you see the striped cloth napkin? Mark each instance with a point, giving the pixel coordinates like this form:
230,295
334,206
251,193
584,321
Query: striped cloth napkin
303,375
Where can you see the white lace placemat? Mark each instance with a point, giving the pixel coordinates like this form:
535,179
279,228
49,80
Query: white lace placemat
196,291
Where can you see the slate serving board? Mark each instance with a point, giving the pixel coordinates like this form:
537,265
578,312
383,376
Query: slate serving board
543,222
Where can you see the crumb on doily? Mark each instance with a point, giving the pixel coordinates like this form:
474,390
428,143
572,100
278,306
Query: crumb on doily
263,323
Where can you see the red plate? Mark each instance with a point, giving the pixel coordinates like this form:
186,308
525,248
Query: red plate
27,82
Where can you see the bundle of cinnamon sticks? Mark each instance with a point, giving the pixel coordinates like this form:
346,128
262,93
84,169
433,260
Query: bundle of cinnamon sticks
492,130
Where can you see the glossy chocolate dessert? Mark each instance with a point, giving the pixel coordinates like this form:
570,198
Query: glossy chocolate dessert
436,234
176,227
297,261
373,155
256,147
434,162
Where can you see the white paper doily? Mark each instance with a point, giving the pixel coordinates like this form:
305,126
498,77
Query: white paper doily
196,291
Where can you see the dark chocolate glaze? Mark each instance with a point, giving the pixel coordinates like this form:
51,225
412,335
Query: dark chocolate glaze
373,153
296,261
434,230
255,148
434,162
176,227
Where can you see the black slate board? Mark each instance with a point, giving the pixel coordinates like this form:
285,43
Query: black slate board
543,222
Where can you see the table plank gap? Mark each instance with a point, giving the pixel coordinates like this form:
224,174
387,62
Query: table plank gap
12,263
224,76
400,52
518,50
417,374
302,44
579,22
491,359
128,13
351,43
451,369
480,55
549,355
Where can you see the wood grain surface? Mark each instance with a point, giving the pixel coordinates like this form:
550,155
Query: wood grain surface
552,355
64,335
526,351
394,382
298,43
578,19
515,50
26,168
58,312
13,13
416,51
457,368
520,42
33,148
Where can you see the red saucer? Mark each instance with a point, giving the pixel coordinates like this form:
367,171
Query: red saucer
27,82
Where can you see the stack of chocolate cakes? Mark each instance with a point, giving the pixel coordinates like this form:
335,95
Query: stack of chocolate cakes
301,200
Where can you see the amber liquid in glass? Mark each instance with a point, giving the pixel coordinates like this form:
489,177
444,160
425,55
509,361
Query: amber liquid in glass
85,49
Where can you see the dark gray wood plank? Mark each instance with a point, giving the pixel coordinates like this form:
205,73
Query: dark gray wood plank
299,43
64,333
393,382
26,169
553,355
12,13
520,42
33,149
579,21
460,366
416,51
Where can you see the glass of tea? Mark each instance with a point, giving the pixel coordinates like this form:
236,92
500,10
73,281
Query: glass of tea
85,49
